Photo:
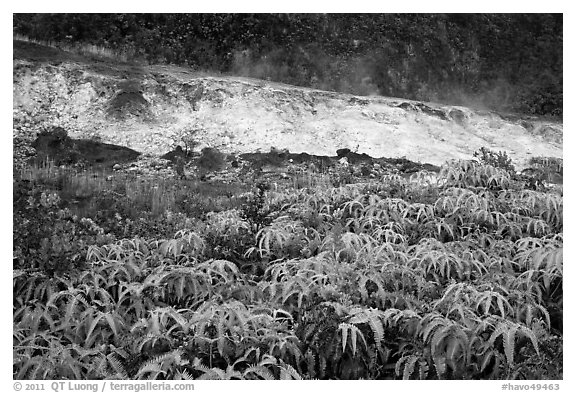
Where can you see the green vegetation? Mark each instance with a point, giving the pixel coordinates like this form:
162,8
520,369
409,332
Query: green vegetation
498,160
211,159
507,62
451,276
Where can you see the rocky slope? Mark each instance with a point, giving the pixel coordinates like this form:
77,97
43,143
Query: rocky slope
146,107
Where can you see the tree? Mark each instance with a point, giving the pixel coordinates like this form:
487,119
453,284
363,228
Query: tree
188,136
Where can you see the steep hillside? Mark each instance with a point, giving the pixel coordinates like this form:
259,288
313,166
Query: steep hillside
146,107
504,62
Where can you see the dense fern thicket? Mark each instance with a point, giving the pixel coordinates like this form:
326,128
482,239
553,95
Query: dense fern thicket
455,276
510,62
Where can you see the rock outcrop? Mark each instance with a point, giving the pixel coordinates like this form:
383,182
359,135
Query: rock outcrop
146,107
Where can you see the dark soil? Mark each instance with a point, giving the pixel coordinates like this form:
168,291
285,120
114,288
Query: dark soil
176,154
40,53
63,150
280,159
128,101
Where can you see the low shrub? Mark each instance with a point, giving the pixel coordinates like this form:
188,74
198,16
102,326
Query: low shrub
48,237
211,159
497,160
253,209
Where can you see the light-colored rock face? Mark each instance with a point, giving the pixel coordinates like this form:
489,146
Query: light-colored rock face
245,115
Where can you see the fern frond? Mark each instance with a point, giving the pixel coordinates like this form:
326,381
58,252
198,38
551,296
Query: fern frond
259,371
508,331
287,372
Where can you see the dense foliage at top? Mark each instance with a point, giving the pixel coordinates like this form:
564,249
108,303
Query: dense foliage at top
501,61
